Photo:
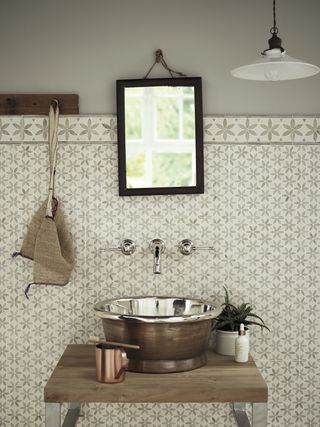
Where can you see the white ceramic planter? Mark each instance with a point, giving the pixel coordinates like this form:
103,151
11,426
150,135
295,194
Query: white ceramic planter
225,342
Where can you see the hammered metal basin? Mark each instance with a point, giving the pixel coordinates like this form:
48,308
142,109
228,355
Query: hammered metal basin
172,332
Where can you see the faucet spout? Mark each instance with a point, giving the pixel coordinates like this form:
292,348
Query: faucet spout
157,259
157,247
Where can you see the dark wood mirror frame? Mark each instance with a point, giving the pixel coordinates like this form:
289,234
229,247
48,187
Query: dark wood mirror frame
181,81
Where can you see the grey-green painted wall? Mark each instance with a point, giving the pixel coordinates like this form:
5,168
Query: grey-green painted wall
85,46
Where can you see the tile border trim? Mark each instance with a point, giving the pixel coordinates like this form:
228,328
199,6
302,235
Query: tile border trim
248,129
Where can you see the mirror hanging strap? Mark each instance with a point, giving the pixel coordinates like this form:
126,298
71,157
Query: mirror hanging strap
159,59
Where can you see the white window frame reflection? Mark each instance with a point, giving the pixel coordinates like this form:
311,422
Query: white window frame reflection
150,144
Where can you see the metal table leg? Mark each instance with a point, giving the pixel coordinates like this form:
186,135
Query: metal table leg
72,415
240,414
259,414
53,415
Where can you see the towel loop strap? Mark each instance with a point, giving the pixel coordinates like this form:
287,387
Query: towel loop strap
53,145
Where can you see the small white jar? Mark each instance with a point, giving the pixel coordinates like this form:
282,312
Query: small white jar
225,342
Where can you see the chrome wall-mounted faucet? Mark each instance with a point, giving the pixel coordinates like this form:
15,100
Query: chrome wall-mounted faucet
157,247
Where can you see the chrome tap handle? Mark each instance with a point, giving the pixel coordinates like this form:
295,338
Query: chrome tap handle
203,248
127,247
186,247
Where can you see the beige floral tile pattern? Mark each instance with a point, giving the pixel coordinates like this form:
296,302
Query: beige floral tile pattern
11,129
260,210
217,129
262,129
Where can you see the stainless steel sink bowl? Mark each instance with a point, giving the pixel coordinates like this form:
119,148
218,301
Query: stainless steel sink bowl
172,332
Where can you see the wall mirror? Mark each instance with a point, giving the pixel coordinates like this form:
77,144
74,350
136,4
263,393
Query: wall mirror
160,136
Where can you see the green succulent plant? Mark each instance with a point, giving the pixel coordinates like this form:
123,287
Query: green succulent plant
232,316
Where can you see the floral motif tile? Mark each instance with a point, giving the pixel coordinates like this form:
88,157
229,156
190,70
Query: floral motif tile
11,129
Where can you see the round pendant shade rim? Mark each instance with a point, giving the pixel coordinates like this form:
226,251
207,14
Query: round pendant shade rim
256,70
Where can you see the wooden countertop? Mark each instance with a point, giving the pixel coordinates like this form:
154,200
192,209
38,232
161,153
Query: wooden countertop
221,380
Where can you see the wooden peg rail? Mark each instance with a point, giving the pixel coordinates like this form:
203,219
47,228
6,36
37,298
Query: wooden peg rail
37,104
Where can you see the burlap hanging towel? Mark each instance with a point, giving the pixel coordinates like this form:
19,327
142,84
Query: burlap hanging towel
48,242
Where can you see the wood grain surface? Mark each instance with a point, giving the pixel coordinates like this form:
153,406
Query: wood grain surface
221,380
37,104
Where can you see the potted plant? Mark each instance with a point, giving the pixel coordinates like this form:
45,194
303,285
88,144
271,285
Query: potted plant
228,323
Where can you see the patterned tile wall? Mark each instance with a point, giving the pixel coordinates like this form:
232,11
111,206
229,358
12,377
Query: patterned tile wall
260,210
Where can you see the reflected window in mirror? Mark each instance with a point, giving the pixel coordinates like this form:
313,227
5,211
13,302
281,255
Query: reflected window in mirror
160,136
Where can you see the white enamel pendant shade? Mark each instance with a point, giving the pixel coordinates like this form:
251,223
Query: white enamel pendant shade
275,65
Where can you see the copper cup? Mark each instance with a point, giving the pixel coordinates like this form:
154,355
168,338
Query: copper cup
111,363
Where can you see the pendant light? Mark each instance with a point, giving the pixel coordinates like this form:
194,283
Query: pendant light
274,64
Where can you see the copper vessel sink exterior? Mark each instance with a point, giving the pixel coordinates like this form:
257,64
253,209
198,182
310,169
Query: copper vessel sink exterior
172,332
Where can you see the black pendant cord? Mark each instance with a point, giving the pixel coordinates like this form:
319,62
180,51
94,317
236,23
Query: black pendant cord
274,29
159,59
274,42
